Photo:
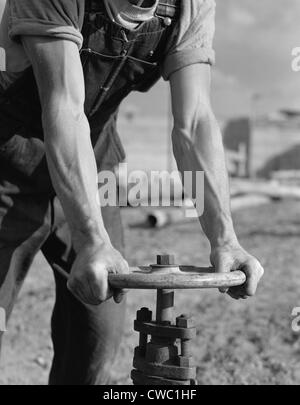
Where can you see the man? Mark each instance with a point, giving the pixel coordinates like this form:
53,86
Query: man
69,65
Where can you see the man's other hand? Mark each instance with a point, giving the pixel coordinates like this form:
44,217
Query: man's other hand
229,258
88,280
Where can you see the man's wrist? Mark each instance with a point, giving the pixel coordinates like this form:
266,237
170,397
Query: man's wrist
229,243
223,235
92,234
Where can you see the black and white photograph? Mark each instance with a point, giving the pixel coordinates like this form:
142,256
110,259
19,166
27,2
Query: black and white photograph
149,195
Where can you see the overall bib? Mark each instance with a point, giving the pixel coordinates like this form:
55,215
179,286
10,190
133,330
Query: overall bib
115,61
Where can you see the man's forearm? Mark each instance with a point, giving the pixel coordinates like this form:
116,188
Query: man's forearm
200,148
73,171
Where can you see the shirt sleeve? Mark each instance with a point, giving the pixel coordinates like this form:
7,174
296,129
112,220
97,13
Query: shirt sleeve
192,41
54,18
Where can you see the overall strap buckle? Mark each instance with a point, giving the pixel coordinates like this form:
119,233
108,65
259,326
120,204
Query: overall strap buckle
93,6
168,9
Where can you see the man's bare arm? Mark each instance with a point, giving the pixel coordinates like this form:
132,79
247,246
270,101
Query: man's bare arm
71,161
198,146
69,151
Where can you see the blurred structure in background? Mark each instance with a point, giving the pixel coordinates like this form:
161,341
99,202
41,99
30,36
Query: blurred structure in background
261,147
237,134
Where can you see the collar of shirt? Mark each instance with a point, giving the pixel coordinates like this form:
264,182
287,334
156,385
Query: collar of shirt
130,15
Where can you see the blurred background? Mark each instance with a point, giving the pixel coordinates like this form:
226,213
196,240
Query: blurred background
256,97
252,80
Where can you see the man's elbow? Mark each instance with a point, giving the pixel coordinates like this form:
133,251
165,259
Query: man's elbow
60,108
196,122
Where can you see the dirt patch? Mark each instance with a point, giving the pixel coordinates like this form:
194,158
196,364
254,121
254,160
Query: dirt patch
237,342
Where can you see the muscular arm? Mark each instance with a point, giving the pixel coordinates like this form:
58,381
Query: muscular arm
198,146
69,152
71,162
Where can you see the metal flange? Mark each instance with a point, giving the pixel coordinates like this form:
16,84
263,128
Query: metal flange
141,379
167,331
169,371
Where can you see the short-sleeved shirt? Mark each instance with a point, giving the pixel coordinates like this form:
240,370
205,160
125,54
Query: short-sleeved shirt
193,42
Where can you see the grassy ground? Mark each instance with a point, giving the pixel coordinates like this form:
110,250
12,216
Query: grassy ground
237,342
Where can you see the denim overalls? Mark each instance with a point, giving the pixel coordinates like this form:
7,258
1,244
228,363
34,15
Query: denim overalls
115,61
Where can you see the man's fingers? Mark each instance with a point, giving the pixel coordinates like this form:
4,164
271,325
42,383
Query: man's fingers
101,287
88,280
118,298
81,294
254,273
119,295
227,260
223,266
234,292
125,267
122,268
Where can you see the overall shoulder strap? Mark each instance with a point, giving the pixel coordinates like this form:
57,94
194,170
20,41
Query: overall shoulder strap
168,9
93,5
165,8
87,6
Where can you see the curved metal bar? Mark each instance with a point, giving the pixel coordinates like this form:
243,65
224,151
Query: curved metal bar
181,277
184,277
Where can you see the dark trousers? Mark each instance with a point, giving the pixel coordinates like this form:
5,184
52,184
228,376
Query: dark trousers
85,338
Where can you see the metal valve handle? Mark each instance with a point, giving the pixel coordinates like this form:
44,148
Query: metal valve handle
172,277
181,277
157,359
